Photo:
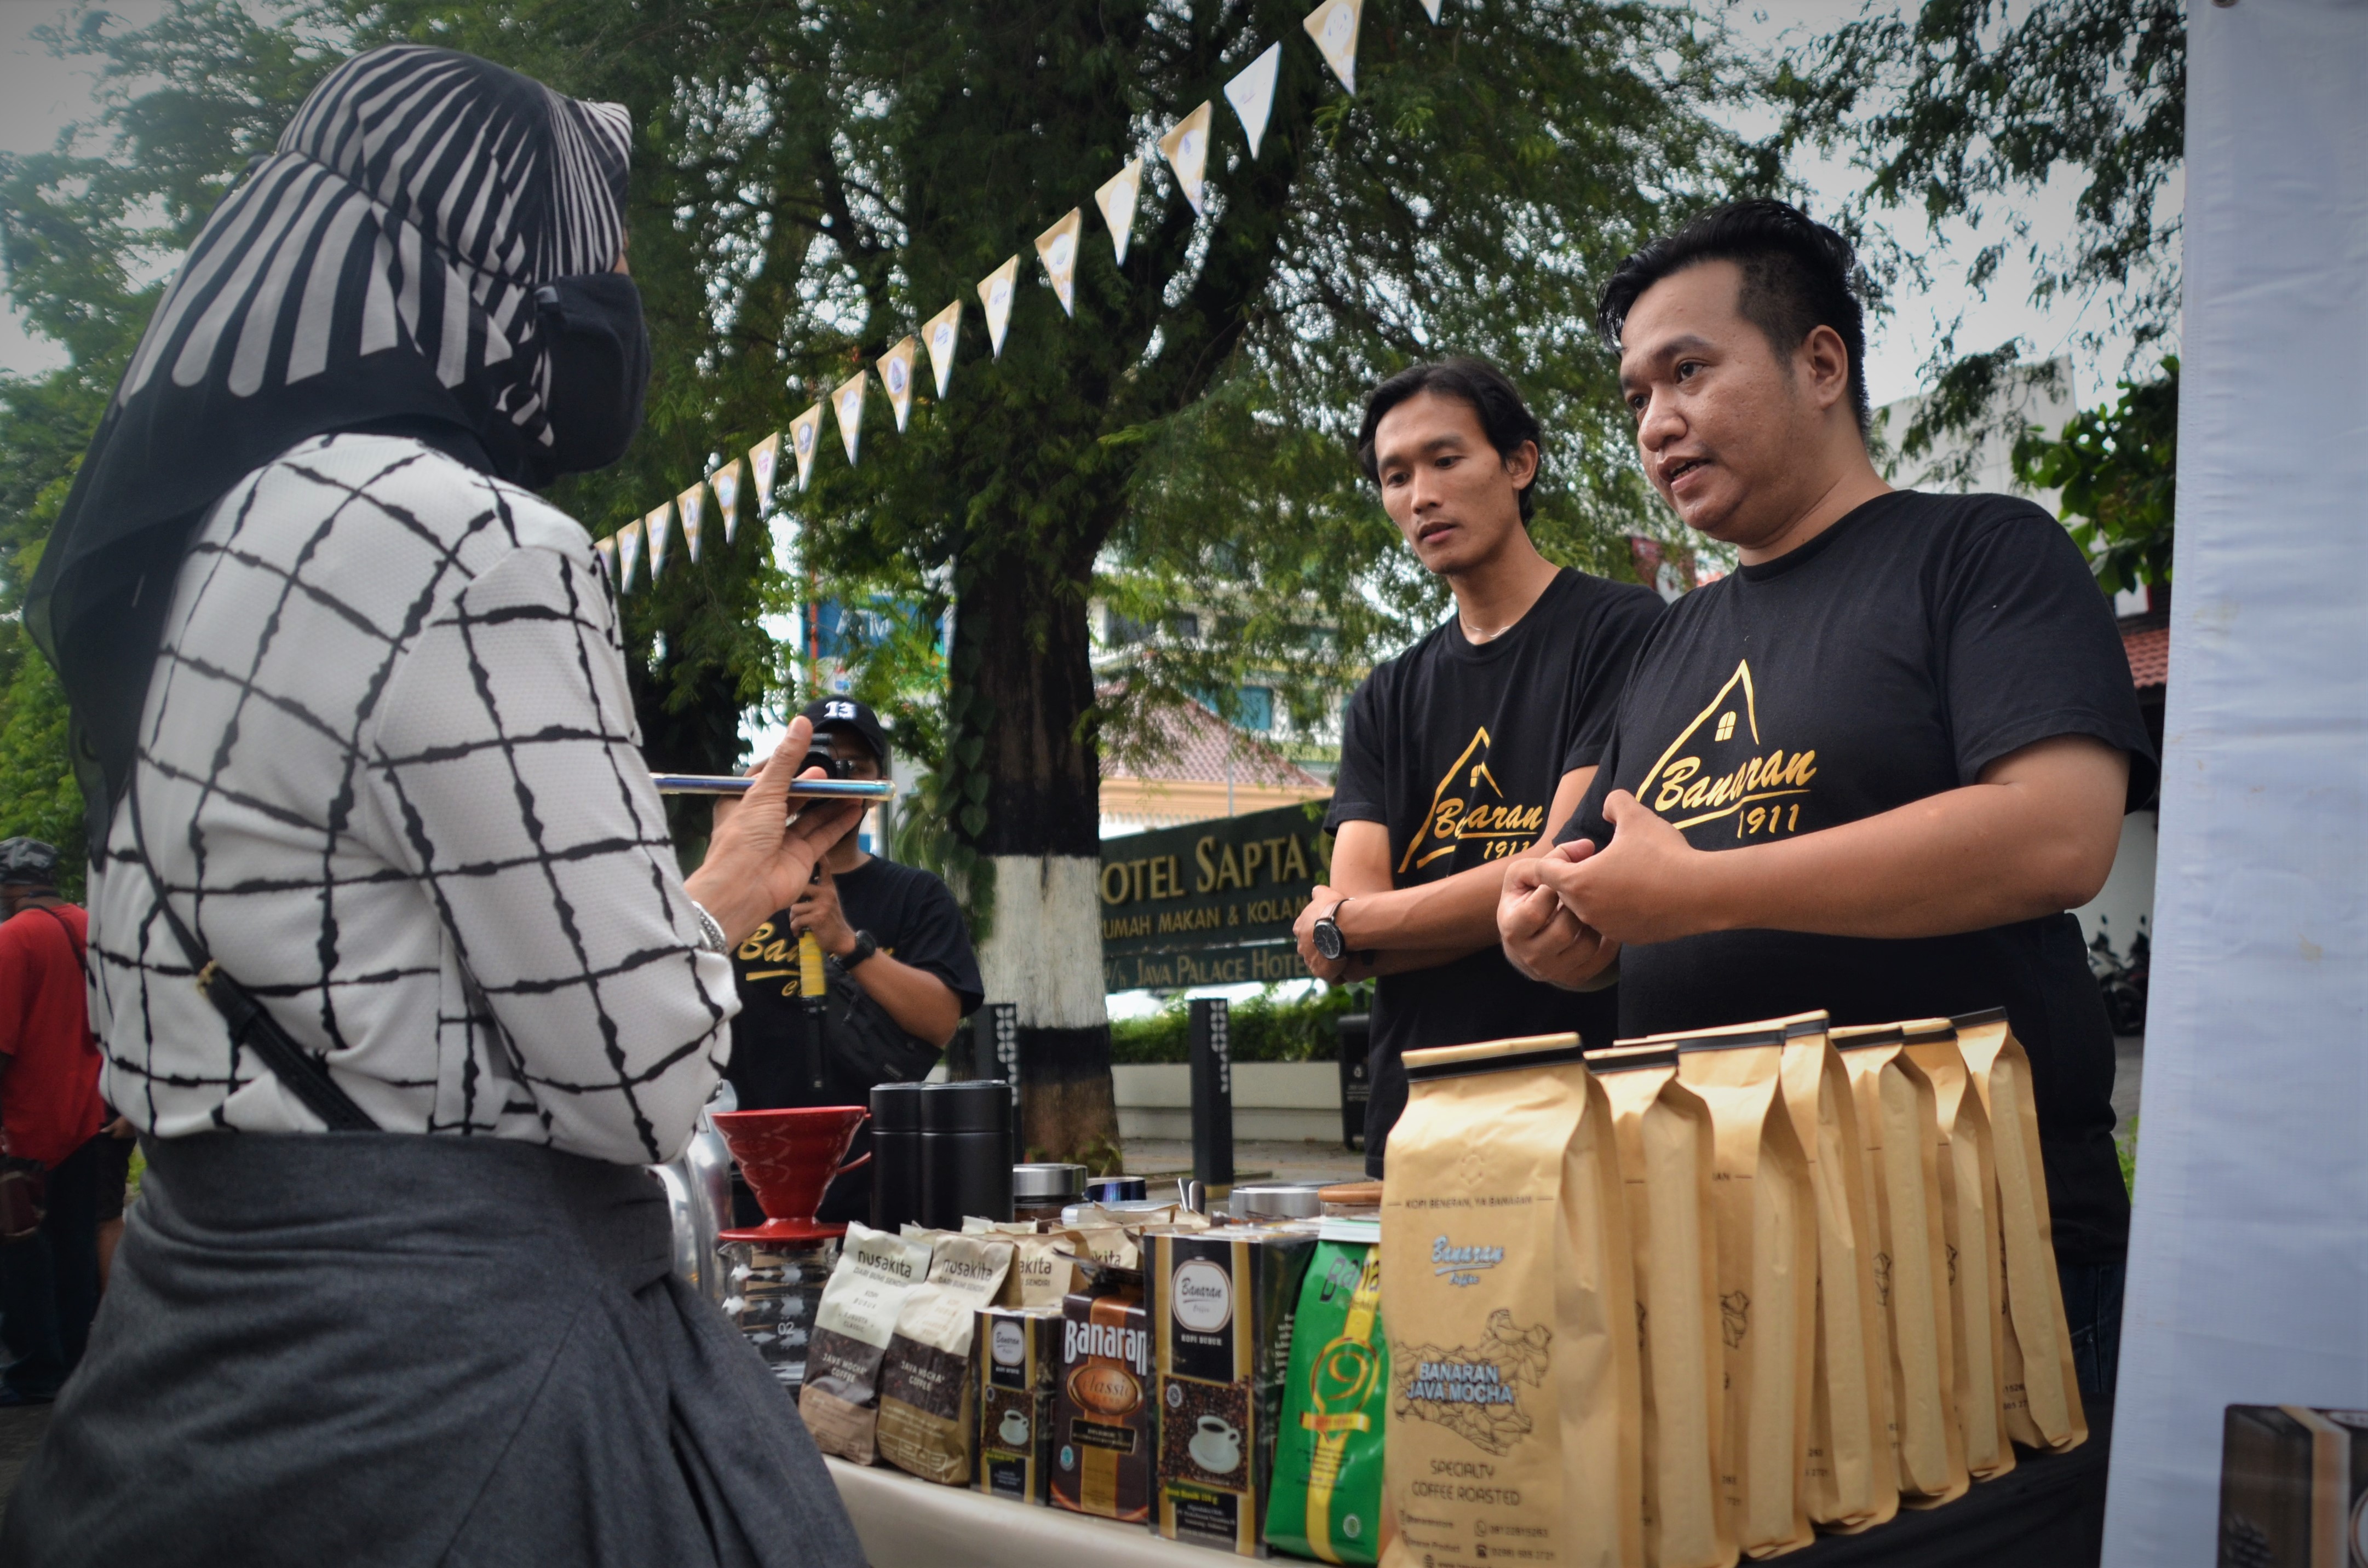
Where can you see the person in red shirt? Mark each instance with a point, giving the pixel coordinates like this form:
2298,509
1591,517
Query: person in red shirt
50,1113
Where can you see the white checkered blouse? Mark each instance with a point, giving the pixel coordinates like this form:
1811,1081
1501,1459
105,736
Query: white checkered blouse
389,772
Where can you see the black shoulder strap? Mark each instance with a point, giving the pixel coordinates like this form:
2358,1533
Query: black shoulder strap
82,958
302,1074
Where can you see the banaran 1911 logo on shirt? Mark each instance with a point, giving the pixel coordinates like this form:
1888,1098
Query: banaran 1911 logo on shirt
1468,806
1715,769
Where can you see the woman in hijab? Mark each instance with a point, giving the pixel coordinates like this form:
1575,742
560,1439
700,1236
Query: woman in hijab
351,716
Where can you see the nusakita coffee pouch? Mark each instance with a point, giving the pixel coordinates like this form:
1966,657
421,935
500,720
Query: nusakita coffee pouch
1766,1284
1514,1414
1335,1399
2042,1391
1976,1271
853,1323
1666,1150
1898,1126
925,1391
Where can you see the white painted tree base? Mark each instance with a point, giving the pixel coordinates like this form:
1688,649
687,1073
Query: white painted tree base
1045,949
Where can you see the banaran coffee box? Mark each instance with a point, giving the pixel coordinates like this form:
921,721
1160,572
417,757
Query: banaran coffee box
1221,1312
1017,1354
1102,1425
2293,1487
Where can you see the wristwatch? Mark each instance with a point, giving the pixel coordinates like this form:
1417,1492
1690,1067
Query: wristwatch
866,946
1329,944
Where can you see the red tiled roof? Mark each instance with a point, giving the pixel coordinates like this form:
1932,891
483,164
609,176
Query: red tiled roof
1191,750
2148,648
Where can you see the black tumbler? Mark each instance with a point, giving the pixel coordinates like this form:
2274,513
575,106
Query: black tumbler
965,1153
895,1154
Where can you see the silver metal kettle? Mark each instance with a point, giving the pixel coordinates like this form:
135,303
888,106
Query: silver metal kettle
698,1183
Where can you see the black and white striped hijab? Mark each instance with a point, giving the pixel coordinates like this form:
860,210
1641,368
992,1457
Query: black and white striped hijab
377,270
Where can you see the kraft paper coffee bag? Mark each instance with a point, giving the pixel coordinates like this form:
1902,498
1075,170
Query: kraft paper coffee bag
1336,1401
1853,1476
1899,1125
926,1425
1667,1165
1976,1273
1514,1411
1766,1284
853,1324
2042,1406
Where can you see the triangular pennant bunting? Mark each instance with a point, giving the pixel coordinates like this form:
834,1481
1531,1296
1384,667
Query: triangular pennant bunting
660,524
608,549
1252,92
763,459
995,292
943,333
1432,6
1116,199
1333,26
806,435
1187,150
629,554
847,404
692,505
725,482
896,375
1057,247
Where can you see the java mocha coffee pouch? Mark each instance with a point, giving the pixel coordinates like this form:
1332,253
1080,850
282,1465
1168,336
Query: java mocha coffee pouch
1766,1284
853,1325
1514,1411
1851,1481
1976,1271
1666,1166
2043,1405
1898,1127
925,1390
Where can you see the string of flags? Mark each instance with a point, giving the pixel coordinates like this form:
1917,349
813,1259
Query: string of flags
1333,25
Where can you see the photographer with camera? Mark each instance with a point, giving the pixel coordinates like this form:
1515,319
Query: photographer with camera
897,969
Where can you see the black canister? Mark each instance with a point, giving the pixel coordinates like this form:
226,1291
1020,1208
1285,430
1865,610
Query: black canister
965,1153
895,1154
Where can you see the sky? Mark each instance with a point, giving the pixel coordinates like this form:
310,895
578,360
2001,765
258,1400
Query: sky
38,95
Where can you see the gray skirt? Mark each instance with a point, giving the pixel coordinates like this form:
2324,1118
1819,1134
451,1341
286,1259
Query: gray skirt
378,1347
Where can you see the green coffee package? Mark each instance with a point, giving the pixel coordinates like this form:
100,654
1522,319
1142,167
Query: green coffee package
1327,1459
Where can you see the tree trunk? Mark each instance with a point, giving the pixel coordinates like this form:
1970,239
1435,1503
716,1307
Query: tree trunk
1032,690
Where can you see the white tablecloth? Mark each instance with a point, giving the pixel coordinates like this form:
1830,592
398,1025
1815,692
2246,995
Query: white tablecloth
906,1522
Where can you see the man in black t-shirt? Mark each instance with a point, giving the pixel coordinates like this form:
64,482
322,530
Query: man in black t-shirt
1458,755
892,933
1872,770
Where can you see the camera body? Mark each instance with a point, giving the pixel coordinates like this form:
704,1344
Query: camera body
818,756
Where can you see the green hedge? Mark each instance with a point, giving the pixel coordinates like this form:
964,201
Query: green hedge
1264,1028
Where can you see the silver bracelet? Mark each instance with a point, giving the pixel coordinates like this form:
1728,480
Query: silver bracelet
710,935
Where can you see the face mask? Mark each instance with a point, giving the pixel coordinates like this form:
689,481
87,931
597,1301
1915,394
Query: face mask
599,367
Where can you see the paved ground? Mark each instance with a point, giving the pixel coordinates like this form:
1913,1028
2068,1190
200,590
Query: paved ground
20,1434
2129,1060
1158,1158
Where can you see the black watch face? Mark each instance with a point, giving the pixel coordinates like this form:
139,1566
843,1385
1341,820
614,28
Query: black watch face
1328,941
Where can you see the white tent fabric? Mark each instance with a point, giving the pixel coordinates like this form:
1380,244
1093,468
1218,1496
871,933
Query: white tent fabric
2249,1279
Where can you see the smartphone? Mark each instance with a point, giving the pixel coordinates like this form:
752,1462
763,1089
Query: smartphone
799,789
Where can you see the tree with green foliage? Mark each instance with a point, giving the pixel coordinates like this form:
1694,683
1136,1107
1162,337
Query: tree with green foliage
2118,469
1963,110
811,183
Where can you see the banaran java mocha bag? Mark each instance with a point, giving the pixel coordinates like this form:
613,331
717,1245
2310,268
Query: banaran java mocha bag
1514,1416
925,1426
853,1323
1898,1126
1976,1273
2042,1406
1667,1165
1766,1216
1853,1476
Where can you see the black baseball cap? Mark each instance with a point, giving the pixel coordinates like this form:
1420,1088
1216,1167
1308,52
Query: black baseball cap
28,863
846,713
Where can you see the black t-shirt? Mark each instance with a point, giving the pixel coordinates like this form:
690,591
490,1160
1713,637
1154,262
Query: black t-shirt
915,921
1456,748
1893,657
